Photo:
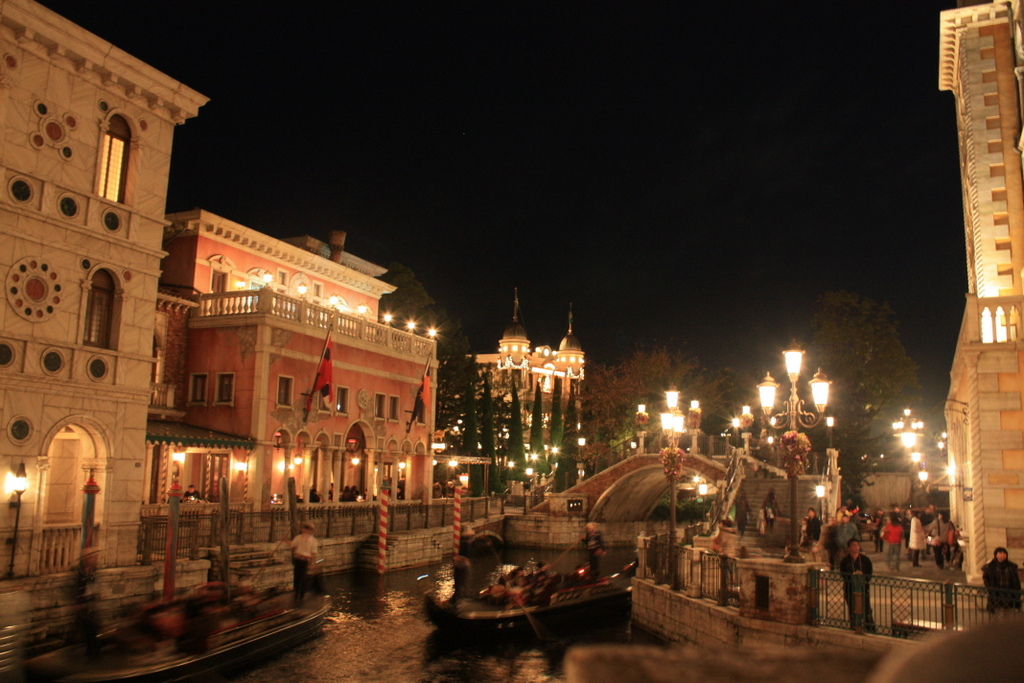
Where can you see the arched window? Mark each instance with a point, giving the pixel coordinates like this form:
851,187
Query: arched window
99,310
114,162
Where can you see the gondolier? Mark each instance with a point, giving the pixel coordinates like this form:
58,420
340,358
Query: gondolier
595,547
304,548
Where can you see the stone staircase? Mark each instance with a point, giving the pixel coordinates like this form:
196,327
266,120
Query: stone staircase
254,566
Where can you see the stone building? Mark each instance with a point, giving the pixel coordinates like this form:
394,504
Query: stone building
981,61
85,154
242,324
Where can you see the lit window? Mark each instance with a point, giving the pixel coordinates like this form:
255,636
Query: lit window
99,310
114,161
342,400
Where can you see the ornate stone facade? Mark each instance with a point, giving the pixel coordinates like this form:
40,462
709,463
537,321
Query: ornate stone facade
981,54
85,154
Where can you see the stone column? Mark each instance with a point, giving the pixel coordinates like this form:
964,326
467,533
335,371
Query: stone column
787,589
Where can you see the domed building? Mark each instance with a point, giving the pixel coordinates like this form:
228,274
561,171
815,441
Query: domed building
516,360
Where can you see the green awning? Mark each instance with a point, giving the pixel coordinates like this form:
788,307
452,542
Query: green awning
188,436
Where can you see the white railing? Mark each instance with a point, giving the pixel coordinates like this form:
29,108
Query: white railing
288,308
162,509
162,395
59,548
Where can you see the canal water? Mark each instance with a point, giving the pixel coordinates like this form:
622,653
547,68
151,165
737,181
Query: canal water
377,631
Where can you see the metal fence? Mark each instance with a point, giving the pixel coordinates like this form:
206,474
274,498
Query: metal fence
719,579
903,608
200,528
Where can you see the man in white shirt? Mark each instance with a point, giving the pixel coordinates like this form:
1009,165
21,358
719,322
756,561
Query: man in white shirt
304,547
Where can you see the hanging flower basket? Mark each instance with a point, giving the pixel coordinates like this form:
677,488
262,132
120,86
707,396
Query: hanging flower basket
746,421
795,448
672,462
641,418
693,418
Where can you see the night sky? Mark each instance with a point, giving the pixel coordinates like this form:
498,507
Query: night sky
687,174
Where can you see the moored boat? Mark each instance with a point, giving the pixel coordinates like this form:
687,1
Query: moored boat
226,649
575,604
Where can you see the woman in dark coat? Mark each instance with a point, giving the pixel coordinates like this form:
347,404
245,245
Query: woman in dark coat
1003,582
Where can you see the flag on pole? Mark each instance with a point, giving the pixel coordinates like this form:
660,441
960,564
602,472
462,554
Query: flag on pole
322,383
419,408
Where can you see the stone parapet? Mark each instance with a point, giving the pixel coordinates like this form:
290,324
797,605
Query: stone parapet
546,531
772,590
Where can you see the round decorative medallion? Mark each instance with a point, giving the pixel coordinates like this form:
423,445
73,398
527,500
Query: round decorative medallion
112,221
41,109
363,398
54,131
19,429
66,152
103,105
11,61
86,264
70,121
34,287
53,361
143,124
6,355
68,206
37,140
98,368
21,190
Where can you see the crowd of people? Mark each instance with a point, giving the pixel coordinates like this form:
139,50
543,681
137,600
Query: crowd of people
523,587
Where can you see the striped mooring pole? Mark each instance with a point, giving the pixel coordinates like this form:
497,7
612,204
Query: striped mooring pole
457,521
382,529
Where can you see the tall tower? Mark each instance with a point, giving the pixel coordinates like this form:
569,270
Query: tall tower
980,60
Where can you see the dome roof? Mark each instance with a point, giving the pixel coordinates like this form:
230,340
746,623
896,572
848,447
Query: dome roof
515,330
570,343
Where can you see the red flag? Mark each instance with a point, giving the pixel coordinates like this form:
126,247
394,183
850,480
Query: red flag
419,408
322,384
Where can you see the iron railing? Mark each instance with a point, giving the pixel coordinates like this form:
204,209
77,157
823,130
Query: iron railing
201,528
719,579
902,608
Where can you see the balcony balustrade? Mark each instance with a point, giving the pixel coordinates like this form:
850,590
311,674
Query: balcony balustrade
277,305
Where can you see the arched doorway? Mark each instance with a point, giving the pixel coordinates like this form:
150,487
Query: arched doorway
73,451
354,467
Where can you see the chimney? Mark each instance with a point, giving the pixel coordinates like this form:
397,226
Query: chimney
337,242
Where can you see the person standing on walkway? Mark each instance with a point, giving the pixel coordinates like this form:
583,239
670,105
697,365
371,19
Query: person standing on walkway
937,531
595,547
769,511
892,534
846,531
812,527
742,513
917,541
304,549
856,563
1003,582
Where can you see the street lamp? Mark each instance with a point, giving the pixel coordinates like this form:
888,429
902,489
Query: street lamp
672,463
795,445
909,429
16,484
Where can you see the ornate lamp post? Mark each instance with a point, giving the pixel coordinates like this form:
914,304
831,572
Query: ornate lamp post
672,424
16,484
794,444
909,430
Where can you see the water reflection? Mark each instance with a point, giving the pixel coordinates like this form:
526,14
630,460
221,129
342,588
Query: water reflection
378,632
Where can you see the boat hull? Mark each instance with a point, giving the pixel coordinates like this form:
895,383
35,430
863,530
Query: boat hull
588,603
70,665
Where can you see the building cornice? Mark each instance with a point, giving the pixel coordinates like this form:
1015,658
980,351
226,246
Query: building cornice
219,229
952,21
39,29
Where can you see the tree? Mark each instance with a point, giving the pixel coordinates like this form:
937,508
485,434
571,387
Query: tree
487,436
471,441
537,432
410,300
566,475
857,341
557,427
516,448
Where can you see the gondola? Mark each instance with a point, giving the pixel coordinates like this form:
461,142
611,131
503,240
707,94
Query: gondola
608,597
228,649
